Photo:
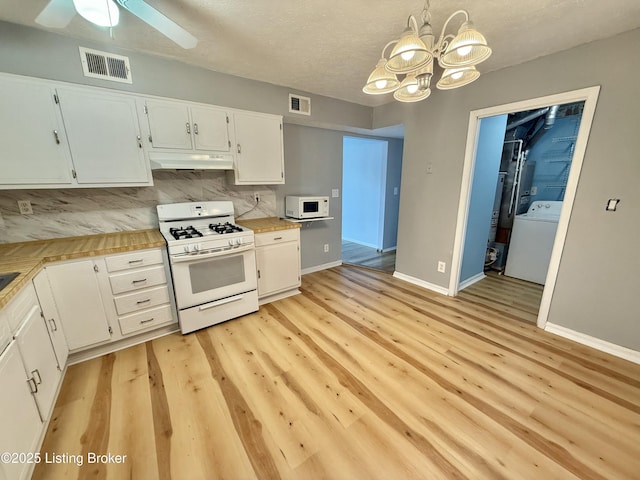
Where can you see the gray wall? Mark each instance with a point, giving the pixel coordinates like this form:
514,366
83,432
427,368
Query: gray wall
32,52
313,166
392,203
598,279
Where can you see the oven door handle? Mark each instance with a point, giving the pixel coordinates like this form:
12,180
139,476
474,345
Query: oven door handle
221,302
204,256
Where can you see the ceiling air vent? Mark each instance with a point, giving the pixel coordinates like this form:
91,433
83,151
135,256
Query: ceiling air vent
298,104
107,66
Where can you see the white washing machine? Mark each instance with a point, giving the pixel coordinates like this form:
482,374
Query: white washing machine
532,240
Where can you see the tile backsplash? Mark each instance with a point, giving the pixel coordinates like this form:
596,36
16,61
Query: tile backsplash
71,212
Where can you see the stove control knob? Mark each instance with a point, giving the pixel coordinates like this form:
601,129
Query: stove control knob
239,241
186,249
230,242
196,248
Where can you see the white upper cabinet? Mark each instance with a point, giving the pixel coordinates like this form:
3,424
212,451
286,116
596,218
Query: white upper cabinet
104,137
33,144
259,149
184,126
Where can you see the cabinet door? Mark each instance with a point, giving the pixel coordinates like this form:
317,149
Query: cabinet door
21,425
104,137
33,146
39,361
210,129
278,267
52,318
169,125
76,292
260,158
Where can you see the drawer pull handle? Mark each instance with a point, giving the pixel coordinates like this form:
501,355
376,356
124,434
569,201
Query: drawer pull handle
142,322
277,238
135,261
54,327
140,302
33,386
34,373
139,281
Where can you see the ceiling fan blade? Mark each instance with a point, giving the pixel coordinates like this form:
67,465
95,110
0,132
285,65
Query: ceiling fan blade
160,22
57,14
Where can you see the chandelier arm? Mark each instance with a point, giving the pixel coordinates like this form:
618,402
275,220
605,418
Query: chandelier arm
442,38
384,49
413,23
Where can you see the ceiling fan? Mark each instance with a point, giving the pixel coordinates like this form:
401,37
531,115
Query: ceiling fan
58,14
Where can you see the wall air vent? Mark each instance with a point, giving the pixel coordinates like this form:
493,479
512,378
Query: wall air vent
298,104
107,66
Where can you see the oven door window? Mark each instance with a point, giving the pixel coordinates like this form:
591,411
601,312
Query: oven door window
216,273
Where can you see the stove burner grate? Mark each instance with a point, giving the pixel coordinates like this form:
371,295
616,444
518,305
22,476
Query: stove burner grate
225,228
182,233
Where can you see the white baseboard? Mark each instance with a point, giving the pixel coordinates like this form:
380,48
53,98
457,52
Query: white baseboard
421,283
470,281
389,249
324,266
602,345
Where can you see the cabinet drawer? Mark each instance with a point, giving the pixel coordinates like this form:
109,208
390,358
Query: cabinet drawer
279,236
129,281
141,258
20,305
147,319
133,302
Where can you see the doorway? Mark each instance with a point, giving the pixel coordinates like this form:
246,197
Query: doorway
370,191
464,232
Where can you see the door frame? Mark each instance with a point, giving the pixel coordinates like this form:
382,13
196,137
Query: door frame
590,97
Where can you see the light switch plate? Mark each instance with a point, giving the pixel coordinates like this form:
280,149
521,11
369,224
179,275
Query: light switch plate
335,193
612,204
25,207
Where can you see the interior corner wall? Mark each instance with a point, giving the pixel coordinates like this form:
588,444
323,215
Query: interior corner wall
483,192
313,166
597,282
392,202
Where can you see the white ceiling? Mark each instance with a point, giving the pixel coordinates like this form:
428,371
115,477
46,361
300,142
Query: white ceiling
330,47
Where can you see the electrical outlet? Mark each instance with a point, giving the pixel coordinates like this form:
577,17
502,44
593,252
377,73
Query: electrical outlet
442,267
326,248
25,207
335,192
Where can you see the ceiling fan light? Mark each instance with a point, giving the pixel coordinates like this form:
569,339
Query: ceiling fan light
103,13
457,77
410,53
469,47
381,81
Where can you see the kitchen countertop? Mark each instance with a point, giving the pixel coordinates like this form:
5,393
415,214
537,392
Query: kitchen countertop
267,224
28,258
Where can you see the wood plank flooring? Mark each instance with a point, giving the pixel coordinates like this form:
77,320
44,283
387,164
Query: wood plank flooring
362,376
361,255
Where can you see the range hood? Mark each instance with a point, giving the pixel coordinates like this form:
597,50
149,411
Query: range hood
190,161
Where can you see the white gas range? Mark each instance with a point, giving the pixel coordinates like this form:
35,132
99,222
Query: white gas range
212,262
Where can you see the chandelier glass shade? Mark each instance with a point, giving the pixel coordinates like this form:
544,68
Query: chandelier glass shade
414,53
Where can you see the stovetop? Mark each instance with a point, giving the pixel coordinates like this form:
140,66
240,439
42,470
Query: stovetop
199,227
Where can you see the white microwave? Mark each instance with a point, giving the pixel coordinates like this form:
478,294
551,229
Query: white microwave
301,207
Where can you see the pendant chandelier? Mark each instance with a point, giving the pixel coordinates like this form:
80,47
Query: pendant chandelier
414,53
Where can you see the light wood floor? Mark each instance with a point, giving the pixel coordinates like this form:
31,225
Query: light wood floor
361,255
362,376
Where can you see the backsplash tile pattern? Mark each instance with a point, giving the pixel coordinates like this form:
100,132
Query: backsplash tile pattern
71,212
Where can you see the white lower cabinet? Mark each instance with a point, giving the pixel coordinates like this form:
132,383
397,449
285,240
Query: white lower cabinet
51,317
278,261
41,366
30,377
21,425
77,295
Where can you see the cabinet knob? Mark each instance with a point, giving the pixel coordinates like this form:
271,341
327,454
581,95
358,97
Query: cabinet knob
239,149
